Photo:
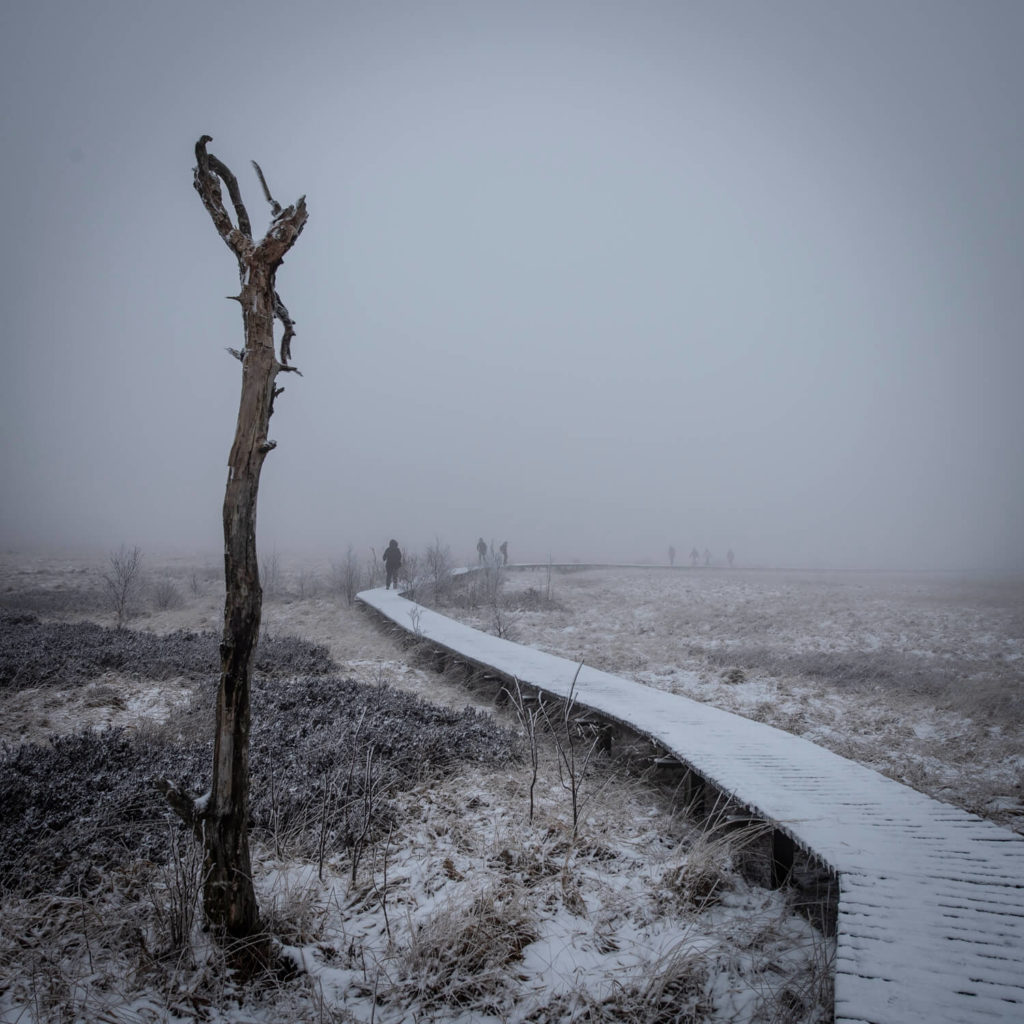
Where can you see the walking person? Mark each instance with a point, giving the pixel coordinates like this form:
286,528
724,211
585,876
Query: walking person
392,563
481,550
503,548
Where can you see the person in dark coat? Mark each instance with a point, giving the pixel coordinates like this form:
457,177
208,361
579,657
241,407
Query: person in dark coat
481,550
504,552
392,563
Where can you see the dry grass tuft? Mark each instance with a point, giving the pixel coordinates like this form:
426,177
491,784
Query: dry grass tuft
462,954
671,990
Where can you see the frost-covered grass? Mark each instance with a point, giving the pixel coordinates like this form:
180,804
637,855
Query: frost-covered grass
460,907
920,676
465,912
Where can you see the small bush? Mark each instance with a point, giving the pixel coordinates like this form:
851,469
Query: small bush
532,600
166,595
437,567
347,576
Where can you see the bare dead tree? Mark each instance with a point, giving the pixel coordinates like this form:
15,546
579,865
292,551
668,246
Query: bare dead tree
220,818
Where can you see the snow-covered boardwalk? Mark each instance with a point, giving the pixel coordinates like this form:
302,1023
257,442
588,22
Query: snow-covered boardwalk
931,903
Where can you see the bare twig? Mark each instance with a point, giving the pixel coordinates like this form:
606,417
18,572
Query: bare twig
528,718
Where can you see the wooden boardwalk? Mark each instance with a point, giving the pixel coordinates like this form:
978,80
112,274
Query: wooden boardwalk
930,922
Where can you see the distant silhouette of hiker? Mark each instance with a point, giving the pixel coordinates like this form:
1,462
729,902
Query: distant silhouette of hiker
707,557
392,563
504,552
694,556
730,557
481,550
671,555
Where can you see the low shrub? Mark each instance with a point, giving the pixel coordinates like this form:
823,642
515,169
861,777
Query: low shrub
89,598
35,653
84,803
166,595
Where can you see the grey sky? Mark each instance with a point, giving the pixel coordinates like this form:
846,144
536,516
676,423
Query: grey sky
595,278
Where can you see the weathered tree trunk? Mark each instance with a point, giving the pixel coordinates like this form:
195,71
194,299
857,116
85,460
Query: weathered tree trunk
221,818
228,895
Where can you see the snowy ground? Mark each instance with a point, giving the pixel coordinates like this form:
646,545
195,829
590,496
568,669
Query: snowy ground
471,911
920,676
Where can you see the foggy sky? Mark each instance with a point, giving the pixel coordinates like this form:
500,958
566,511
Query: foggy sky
595,278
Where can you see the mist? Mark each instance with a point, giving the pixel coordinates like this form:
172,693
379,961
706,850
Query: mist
593,278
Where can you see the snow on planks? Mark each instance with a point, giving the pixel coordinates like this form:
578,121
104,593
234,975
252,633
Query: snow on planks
931,905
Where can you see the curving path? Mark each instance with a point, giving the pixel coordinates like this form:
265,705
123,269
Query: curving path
930,923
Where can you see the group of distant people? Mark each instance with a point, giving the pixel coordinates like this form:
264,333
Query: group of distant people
481,551
695,556
393,559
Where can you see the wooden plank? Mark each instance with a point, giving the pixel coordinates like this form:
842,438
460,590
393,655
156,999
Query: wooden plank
875,1000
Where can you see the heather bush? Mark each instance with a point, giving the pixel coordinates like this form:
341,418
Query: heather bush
85,803
88,599
35,653
81,804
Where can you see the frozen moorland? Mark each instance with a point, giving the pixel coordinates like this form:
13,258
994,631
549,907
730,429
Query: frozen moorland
440,897
917,675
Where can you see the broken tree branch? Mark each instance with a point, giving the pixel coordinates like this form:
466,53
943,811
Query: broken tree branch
281,312
187,807
275,206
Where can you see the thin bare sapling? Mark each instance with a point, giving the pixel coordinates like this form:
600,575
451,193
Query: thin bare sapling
573,758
